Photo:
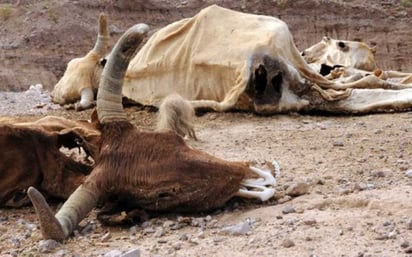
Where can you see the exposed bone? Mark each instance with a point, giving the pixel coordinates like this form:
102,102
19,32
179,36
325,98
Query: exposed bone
261,184
263,195
266,178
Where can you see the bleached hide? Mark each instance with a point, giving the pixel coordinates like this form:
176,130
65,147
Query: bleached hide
207,57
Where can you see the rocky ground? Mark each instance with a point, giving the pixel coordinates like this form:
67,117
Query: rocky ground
353,173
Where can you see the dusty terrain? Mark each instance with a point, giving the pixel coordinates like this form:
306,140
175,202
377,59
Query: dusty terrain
357,168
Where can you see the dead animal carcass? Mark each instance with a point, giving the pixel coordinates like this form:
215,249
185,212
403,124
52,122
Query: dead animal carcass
151,171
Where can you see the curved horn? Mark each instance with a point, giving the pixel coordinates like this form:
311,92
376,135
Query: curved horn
109,96
102,40
60,226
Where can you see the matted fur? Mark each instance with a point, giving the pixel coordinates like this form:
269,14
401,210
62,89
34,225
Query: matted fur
160,172
177,114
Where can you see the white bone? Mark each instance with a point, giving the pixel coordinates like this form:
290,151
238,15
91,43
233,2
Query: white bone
277,168
263,195
266,178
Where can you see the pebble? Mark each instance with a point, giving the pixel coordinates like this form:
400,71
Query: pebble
49,245
133,230
159,232
297,189
132,253
338,144
289,209
310,222
106,237
408,250
184,237
287,243
378,173
239,229
409,224
408,173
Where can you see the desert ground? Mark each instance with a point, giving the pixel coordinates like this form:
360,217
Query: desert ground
353,173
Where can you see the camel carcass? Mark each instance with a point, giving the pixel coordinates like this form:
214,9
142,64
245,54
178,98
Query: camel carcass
152,171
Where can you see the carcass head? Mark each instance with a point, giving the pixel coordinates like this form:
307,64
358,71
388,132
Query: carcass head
82,76
332,52
38,154
275,86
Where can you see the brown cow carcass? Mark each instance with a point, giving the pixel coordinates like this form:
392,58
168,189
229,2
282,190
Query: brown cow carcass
32,155
152,171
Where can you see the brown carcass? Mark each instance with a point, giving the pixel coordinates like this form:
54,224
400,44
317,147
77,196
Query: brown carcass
31,156
151,171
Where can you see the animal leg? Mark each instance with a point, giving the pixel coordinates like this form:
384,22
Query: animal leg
86,100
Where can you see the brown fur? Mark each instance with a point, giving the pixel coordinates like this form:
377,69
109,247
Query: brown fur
177,114
159,172
31,157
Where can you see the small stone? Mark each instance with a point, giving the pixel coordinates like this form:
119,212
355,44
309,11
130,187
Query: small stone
409,224
238,229
285,199
392,235
177,246
297,189
148,230
106,237
310,222
338,144
408,250
133,230
159,232
288,209
184,237
287,243
378,173
404,244
132,253
49,245
60,253
408,173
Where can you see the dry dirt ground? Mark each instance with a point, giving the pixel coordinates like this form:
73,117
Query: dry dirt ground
357,168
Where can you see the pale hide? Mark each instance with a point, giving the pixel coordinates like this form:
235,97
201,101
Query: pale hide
222,59
210,57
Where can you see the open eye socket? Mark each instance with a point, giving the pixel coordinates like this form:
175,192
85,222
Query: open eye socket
260,79
341,44
103,62
277,82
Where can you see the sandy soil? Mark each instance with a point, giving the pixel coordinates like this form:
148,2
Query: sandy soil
359,200
357,168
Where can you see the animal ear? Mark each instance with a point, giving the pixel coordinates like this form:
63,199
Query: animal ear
373,49
326,39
